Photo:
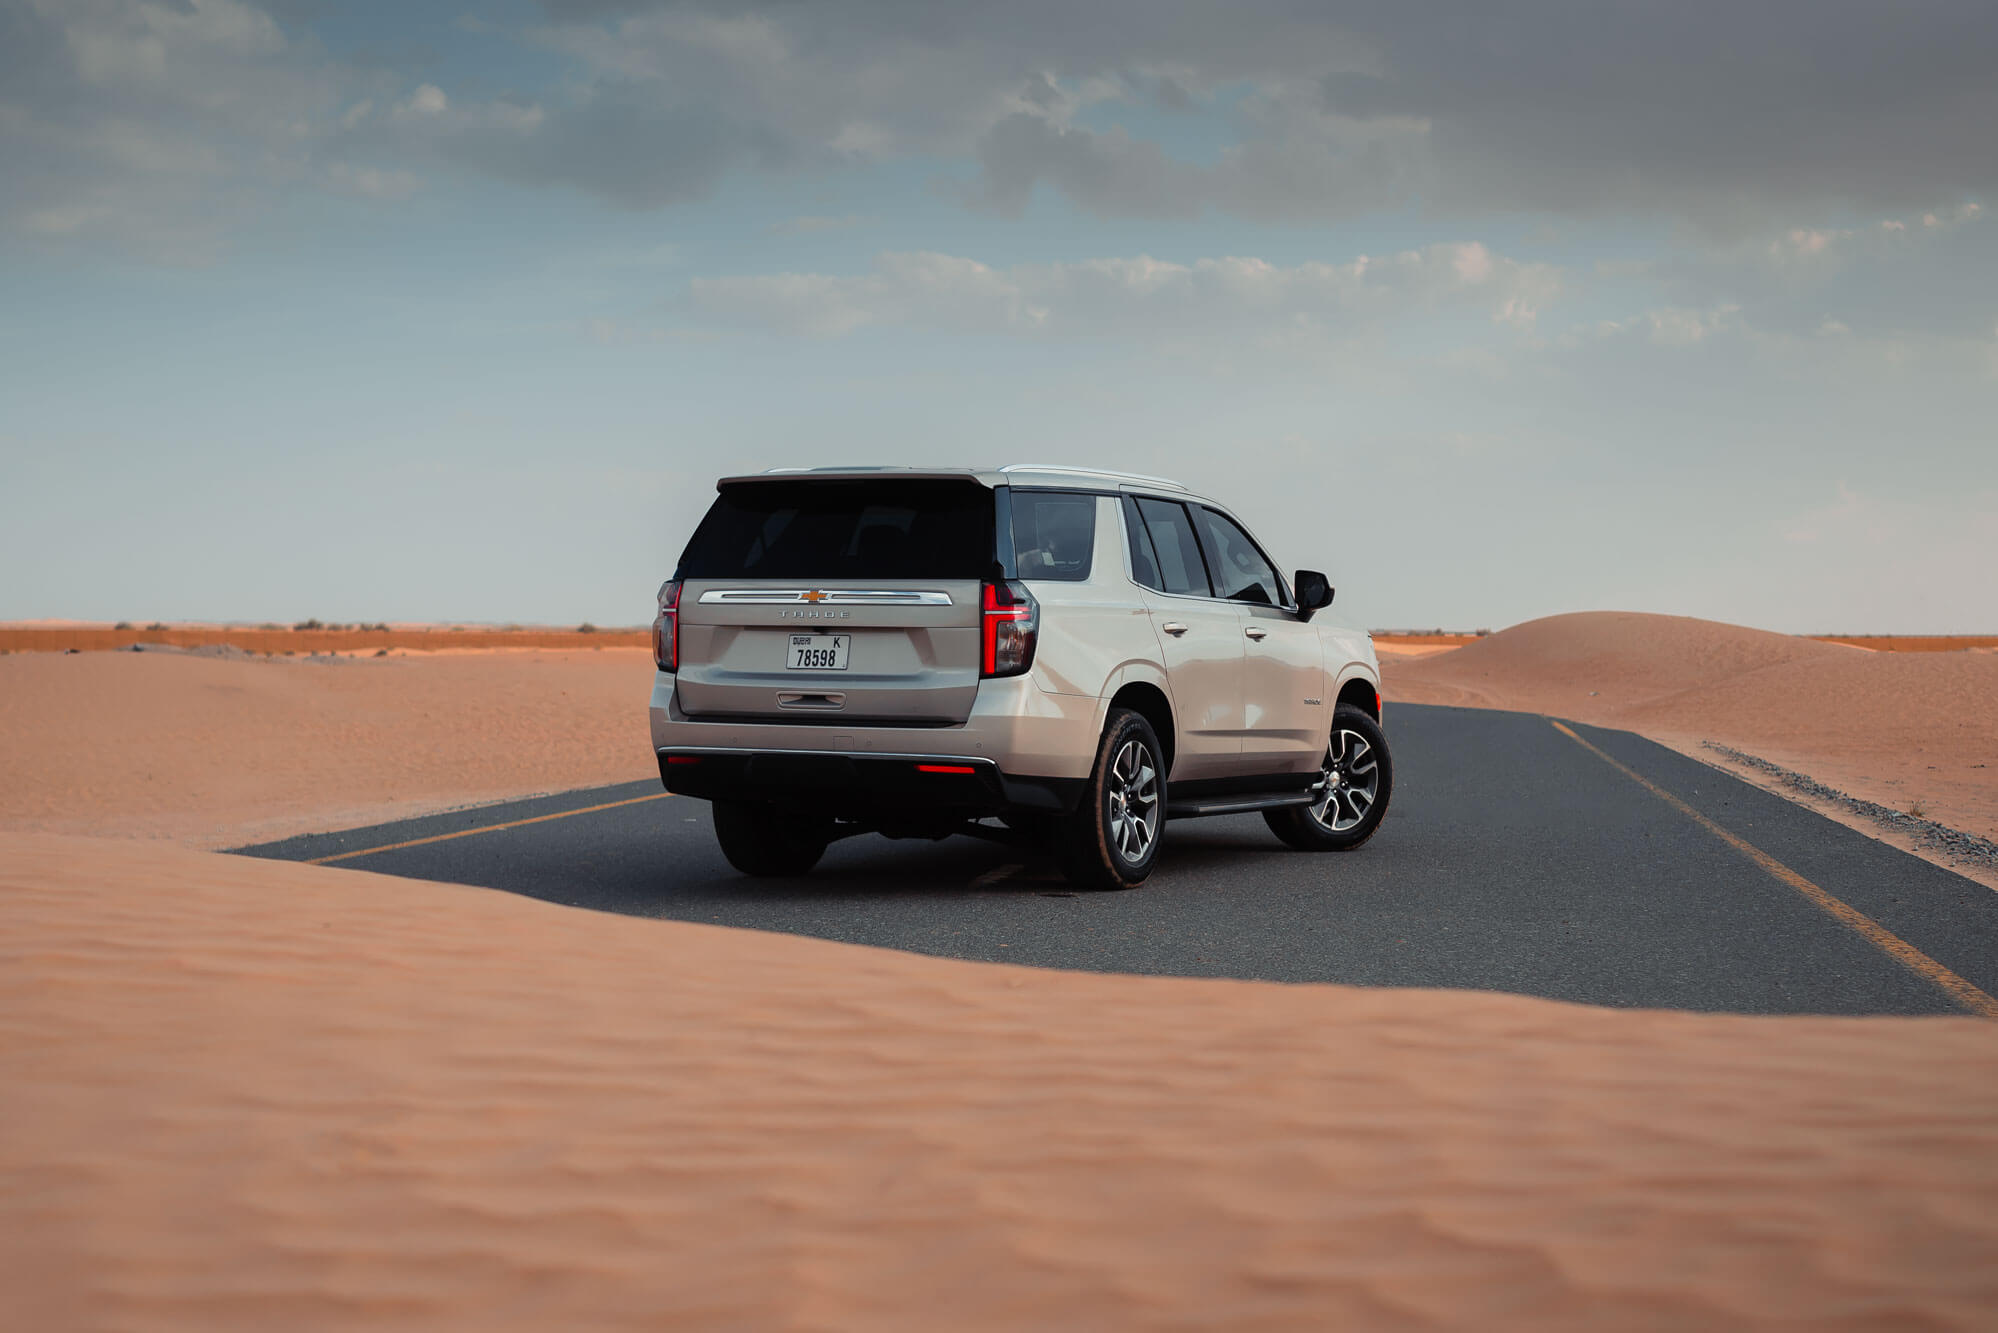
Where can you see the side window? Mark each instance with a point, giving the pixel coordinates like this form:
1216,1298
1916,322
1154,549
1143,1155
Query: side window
1240,572
1180,568
1144,565
1054,534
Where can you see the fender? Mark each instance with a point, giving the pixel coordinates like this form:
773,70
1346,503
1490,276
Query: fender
1351,672
1133,673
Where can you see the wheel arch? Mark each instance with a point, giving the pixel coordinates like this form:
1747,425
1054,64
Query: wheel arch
1363,691
1144,692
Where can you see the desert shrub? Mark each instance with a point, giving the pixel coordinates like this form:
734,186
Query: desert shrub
156,625
309,624
270,624
586,628
123,624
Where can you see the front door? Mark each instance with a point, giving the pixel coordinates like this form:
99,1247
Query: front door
1286,721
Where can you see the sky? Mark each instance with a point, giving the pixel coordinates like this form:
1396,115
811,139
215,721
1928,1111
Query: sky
382,311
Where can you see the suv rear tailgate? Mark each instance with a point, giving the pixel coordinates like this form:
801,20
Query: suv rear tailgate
911,656
883,572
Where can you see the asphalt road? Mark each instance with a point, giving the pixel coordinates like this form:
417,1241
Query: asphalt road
1514,858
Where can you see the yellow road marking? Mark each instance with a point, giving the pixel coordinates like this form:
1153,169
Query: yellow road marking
485,828
1883,939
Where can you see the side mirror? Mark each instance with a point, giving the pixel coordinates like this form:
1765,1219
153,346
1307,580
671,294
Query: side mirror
1314,592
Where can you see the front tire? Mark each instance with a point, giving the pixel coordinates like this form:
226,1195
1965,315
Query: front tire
1112,838
1353,789
765,840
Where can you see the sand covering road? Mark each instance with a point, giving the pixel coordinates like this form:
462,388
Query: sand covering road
245,1095
218,752
253,1095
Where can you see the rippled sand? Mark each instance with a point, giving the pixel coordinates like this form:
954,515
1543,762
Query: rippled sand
247,1095
223,752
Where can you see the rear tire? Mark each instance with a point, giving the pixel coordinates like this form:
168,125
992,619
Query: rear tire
1112,838
766,840
1352,793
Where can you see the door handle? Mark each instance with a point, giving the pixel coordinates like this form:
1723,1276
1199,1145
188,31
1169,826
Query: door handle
1174,628
1257,632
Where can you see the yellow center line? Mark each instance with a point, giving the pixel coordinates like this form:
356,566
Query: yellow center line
1902,952
485,828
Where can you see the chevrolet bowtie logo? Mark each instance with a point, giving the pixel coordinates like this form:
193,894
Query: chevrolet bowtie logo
815,596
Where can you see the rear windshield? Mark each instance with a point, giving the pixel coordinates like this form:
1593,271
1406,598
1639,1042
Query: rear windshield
825,530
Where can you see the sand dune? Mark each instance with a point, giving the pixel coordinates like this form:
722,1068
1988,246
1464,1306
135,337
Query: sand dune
1898,728
219,752
245,1095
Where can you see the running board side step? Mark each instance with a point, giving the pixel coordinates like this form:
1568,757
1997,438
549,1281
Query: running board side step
1236,805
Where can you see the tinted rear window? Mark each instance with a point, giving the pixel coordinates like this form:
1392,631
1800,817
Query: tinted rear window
826,530
1054,534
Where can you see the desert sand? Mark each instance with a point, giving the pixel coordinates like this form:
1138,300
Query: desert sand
219,752
247,1095
1910,730
90,637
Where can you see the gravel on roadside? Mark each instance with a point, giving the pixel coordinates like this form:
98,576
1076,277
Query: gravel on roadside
1956,845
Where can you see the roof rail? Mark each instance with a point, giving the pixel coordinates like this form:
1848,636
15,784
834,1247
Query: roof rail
1094,472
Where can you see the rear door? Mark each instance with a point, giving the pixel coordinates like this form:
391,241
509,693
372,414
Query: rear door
1201,638
847,601
1286,721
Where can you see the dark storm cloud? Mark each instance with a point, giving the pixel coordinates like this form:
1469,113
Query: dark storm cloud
1723,112
1739,116
620,144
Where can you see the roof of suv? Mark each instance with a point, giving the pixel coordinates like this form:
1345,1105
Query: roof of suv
1050,475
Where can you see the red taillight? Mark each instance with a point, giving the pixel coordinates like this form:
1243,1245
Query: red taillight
1010,625
666,628
683,759
945,768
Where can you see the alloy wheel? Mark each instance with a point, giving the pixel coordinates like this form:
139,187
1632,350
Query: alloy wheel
1349,784
1133,792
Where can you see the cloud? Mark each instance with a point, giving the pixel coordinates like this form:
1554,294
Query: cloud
1726,116
1743,121
156,126
805,226
1933,274
372,182
1139,296
617,143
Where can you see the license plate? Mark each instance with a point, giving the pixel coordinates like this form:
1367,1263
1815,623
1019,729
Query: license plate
819,652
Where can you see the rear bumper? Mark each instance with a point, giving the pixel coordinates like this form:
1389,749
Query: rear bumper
862,786
1013,722
1028,749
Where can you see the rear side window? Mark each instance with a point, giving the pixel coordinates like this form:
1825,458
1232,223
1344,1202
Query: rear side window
1174,546
1144,563
826,530
1054,534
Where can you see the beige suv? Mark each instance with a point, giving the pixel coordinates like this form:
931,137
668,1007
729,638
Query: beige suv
1077,655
